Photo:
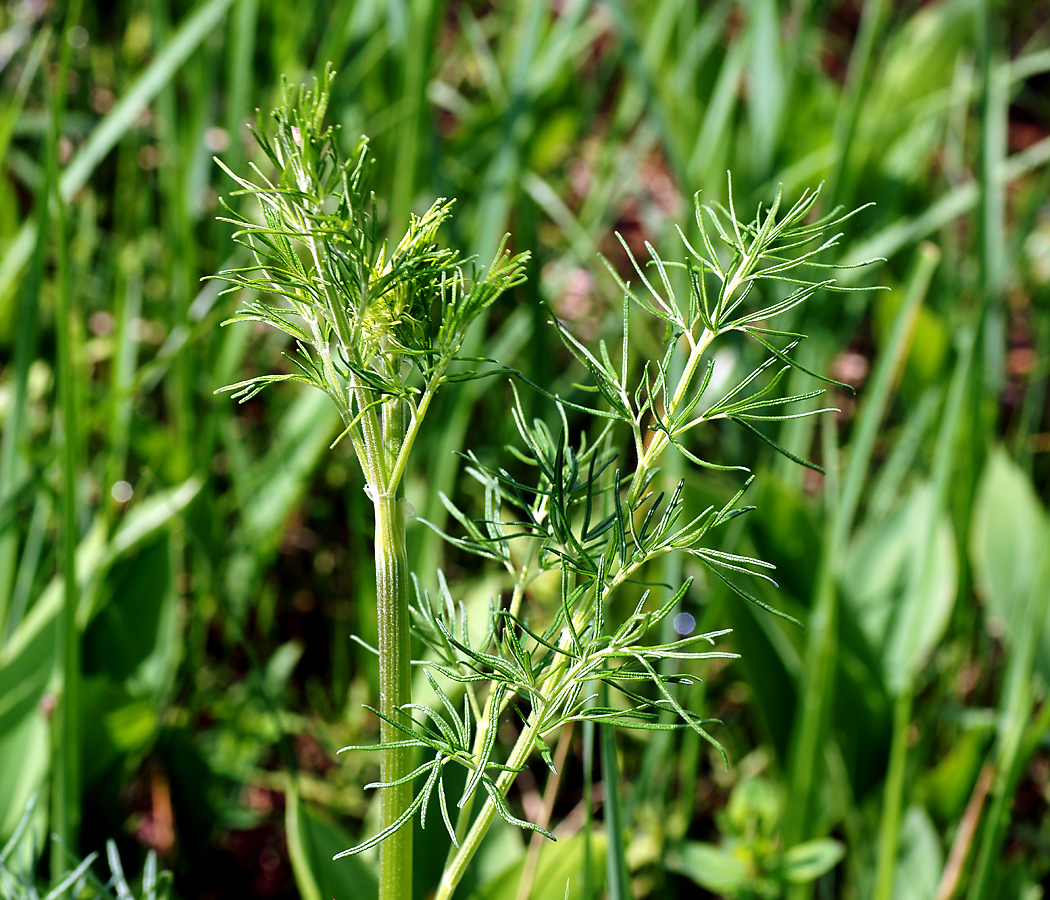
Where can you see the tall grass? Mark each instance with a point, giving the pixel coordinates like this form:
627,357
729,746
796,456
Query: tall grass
208,618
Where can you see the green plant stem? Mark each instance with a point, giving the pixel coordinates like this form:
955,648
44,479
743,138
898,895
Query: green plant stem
562,680
383,437
550,794
395,685
457,864
1008,770
14,431
890,826
648,459
845,127
481,735
619,877
66,780
920,586
1016,718
65,793
815,702
588,802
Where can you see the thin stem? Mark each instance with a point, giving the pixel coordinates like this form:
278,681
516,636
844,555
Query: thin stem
646,462
613,812
481,735
415,420
660,440
845,127
889,829
564,680
395,684
66,780
1012,749
369,446
953,868
65,798
334,384
457,866
550,794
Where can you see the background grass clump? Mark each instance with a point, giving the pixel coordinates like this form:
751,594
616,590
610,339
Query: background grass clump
180,576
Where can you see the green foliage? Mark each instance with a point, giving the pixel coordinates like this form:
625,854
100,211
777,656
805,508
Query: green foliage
313,842
1006,539
750,863
365,318
17,880
596,527
564,123
362,322
559,871
365,321
881,560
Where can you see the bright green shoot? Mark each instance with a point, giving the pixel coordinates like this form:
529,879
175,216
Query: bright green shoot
378,331
598,526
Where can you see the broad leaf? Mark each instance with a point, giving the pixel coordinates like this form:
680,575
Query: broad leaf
715,868
1007,537
902,620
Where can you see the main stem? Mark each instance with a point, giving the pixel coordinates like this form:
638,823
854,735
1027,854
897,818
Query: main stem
395,683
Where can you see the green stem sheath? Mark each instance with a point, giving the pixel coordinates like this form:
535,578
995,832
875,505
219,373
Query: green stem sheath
395,684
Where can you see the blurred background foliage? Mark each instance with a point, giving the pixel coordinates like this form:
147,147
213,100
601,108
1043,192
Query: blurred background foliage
196,568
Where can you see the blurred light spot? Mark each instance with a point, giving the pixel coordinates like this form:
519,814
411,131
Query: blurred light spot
149,157
269,861
11,40
147,331
206,199
122,492
101,323
216,139
684,623
77,37
324,562
852,368
220,464
24,10
259,800
102,100
47,705
1021,361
